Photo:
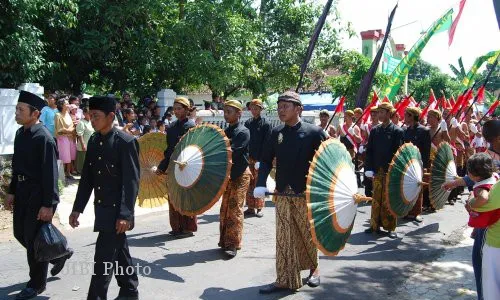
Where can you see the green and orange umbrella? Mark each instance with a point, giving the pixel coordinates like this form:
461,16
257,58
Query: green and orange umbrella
404,180
199,167
332,197
443,169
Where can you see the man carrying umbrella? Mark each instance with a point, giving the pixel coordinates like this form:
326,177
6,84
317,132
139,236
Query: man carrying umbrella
260,129
231,211
435,122
419,136
293,145
111,171
384,141
182,226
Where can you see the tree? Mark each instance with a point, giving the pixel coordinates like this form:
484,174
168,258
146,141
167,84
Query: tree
287,27
421,70
219,45
118,46
440,83
352,67
459,72
101,47
493,84
25,43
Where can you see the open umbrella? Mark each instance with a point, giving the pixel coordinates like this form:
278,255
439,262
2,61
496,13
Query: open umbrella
332,197
198,172
152,188
404,180
443,169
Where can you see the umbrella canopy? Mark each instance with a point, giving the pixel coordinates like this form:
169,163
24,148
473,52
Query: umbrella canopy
443,169
152,188
404,180
331,195
198,172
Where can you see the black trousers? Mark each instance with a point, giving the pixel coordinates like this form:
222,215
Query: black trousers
368,186
112,256
27,203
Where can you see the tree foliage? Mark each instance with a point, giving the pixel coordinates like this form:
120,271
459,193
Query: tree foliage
440,83
101,46
352,67
459,72
493,84
28,32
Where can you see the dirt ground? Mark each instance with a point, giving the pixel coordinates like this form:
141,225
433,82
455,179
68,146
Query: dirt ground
6,233
5,219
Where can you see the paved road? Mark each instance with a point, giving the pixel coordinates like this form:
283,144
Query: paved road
370,267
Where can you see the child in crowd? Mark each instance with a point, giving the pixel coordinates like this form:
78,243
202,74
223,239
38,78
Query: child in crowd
481,170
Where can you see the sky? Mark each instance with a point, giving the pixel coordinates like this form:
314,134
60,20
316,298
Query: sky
477,32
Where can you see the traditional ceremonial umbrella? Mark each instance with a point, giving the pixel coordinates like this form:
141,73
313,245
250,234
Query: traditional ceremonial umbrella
152,188
331,195
198,172
443,169
404,180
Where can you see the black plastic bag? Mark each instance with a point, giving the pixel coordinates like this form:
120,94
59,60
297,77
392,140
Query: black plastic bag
50,243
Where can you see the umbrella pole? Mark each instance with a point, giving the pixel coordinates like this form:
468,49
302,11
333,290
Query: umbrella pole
286,195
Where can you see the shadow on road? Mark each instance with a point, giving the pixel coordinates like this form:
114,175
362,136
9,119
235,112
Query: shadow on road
149,241
358,282
207,219
14,289
157,270
244,293
190,258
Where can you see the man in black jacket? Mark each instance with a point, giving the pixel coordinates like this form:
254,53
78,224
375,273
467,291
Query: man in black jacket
419,136
384,141
260,129
33,192
182,226
111,170
231,211
293,145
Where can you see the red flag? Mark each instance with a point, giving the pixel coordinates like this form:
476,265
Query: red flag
480,95
366,115
398,103
452,102
451,31
446,103
412,103
469,96
386,100
457,105
431,105
432,98
492,108
402,107
374,98
340,106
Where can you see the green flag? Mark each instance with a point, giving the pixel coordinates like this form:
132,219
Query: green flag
446,24
399,74
389,63
490,57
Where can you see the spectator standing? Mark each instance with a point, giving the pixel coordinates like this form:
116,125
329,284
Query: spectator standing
48,114
84,131
65,134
